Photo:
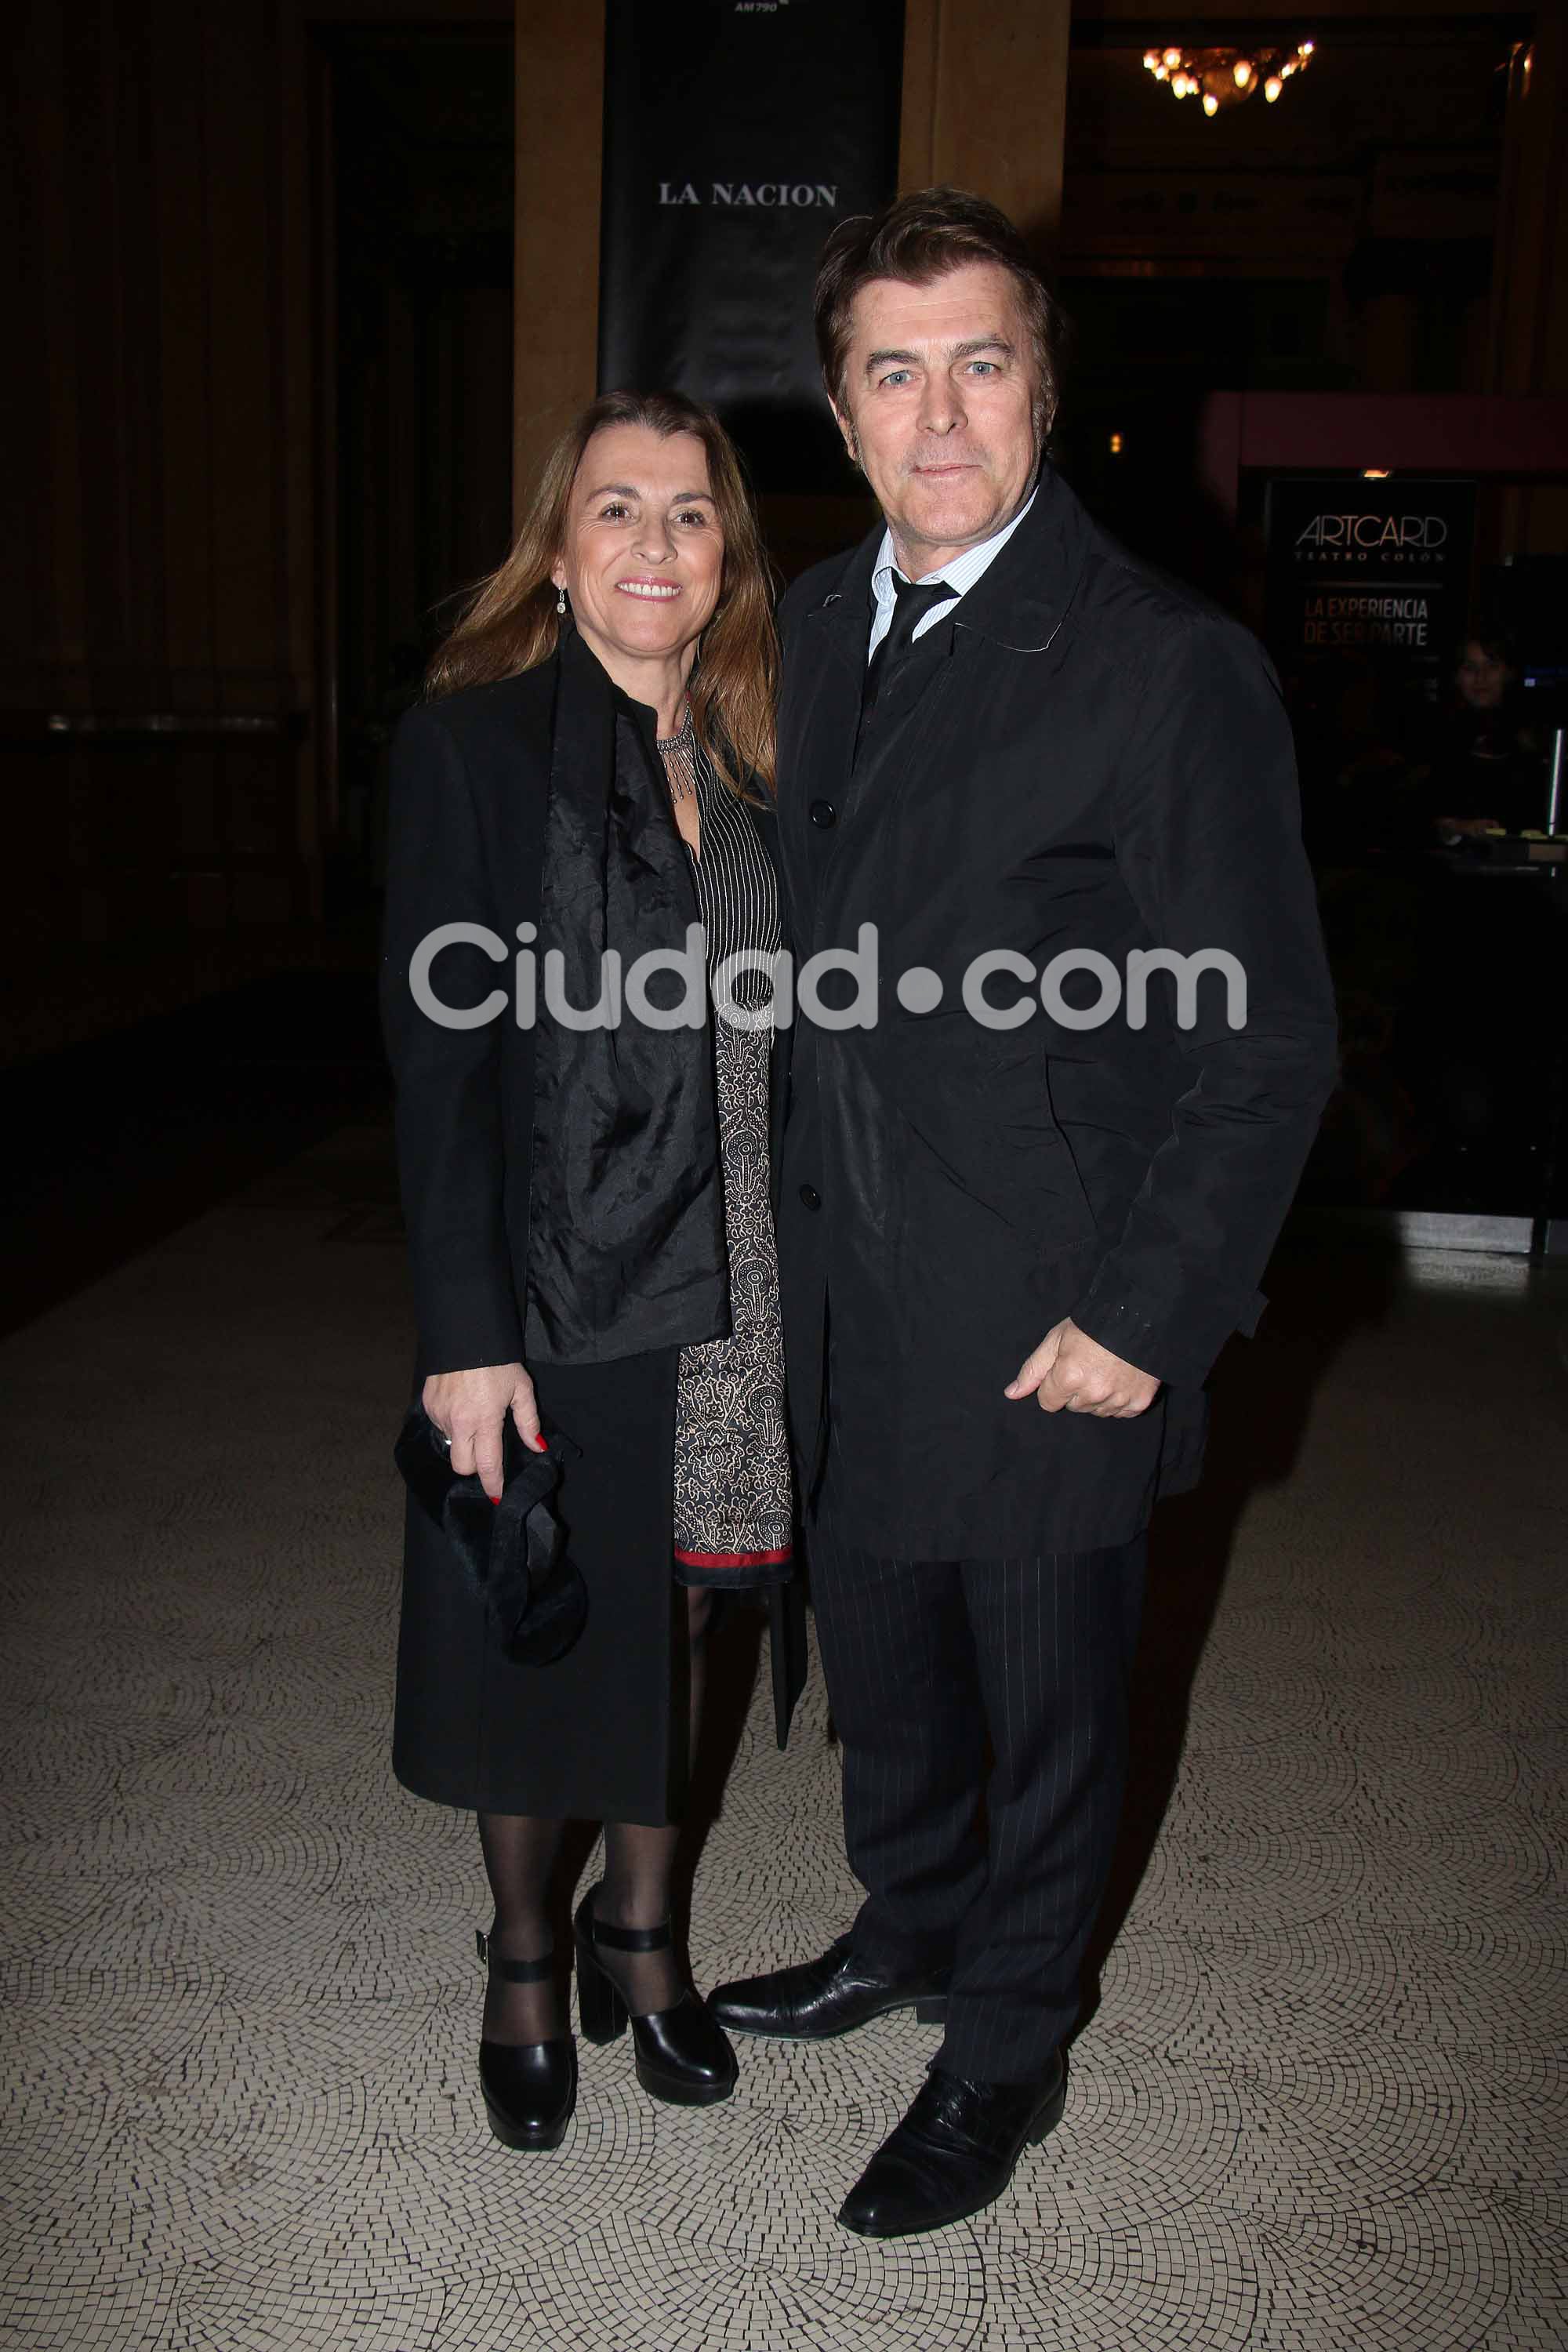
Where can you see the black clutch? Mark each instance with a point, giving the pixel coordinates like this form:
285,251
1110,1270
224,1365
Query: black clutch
514,1551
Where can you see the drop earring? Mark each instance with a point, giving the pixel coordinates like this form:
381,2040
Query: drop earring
561,601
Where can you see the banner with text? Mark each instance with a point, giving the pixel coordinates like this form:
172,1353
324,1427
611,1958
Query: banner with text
737,134
1376,572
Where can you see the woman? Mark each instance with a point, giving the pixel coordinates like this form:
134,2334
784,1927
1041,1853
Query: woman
587,1204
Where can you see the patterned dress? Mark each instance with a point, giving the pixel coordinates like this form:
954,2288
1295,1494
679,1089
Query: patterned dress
733,1500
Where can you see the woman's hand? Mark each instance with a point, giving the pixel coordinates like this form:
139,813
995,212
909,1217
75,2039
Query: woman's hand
470,1408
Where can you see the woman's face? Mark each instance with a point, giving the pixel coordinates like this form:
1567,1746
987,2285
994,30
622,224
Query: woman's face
644,557
1482,679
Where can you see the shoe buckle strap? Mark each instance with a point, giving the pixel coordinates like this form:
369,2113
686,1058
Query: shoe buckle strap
512,1972
629,1939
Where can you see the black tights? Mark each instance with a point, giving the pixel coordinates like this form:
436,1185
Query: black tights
519,1852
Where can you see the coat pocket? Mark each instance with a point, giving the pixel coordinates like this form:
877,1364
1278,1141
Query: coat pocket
1032,1154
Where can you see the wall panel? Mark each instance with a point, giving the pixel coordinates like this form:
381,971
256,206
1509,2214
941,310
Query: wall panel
182,325
162,288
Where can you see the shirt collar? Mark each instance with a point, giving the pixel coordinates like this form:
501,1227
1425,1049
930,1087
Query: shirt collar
964,570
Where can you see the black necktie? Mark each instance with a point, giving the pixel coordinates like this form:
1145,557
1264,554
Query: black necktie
912,601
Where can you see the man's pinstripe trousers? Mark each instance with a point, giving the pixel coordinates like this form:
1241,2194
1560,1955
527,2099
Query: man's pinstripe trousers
929,1663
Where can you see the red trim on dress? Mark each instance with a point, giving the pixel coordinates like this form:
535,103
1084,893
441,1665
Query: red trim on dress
734,1558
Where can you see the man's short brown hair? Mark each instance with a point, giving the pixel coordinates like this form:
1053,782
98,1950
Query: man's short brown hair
919,239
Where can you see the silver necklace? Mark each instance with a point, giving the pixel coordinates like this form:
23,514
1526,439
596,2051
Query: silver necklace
679,752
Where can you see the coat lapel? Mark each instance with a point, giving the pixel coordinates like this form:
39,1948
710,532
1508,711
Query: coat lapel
1021,600
820,719
840,623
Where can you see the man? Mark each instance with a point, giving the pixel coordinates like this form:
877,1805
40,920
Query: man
1025,1204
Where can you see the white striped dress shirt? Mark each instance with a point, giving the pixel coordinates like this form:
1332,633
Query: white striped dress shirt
961,575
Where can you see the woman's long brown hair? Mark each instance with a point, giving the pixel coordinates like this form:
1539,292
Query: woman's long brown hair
509,623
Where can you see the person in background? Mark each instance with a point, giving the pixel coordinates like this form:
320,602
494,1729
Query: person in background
1487,770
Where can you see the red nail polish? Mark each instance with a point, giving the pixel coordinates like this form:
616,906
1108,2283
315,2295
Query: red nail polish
496,1500
541,1444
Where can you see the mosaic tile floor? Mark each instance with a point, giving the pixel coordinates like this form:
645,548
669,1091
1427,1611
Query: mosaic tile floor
1319,2105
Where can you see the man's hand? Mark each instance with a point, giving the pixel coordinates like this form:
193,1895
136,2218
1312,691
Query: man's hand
1070,1372
470,1408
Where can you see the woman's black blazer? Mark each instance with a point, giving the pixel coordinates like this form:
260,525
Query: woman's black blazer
471,786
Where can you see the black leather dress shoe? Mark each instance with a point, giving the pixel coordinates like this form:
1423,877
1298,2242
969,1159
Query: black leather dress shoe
530,2087
954,2153
531,2090
825,1997
681,2055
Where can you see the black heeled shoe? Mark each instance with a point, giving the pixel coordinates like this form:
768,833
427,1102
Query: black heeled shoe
682,2054
530,2087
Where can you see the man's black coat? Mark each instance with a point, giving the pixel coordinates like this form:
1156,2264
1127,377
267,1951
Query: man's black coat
1087,756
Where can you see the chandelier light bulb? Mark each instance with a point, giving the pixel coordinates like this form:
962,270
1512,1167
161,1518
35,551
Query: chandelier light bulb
1221,76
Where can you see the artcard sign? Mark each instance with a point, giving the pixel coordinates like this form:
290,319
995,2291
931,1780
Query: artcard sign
737,133
1374,569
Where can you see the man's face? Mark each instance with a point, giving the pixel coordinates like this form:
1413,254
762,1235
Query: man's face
939,408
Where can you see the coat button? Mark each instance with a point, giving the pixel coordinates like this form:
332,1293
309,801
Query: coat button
810,1198
823,813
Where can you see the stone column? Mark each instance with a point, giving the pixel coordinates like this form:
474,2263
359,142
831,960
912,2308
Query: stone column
984,105
559,137
1529,327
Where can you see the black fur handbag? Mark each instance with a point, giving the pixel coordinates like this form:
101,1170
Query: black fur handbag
514,1551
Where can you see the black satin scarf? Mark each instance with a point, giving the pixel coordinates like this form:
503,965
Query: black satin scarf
626,1231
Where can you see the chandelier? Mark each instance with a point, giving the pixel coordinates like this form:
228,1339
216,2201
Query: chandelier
1225,77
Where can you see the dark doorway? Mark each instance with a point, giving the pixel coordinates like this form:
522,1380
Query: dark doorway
420,439
1145,353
